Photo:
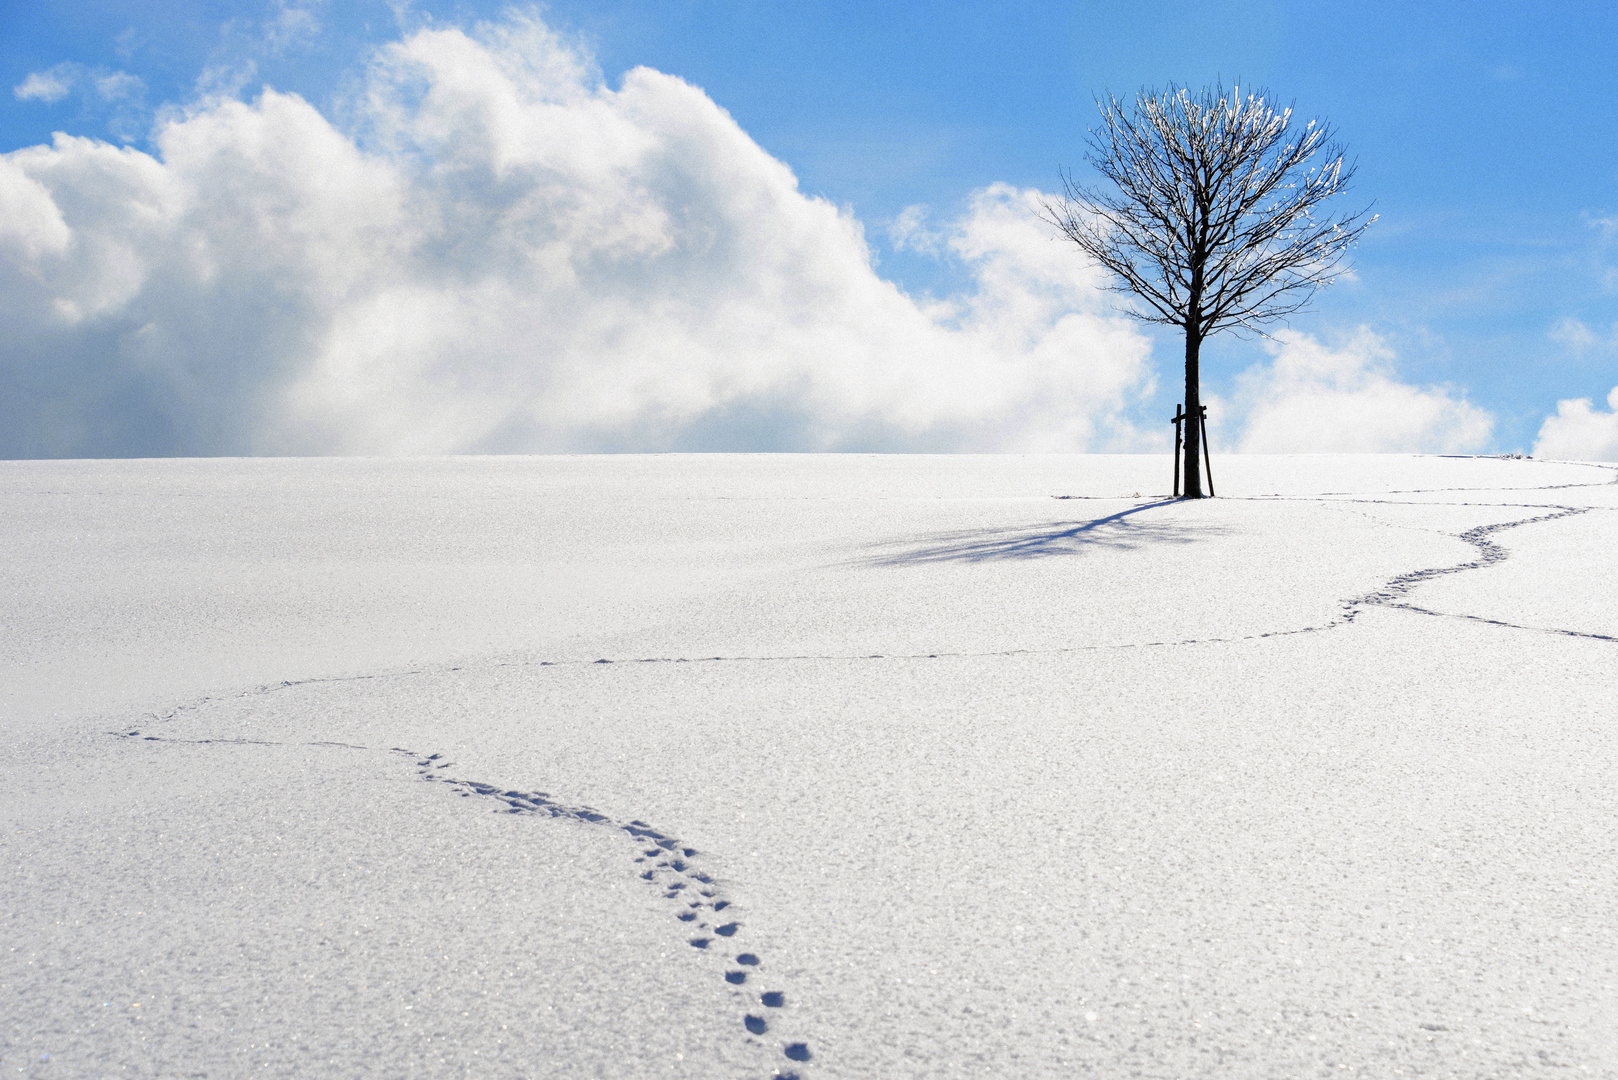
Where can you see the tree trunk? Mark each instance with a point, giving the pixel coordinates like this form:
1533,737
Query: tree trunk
1193,415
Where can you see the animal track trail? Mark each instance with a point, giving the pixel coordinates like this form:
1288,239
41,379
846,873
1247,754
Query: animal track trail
670,865
1392,593
1489,553
696,898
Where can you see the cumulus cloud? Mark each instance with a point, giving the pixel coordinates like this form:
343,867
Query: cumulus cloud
503,254
1314,399
1579,432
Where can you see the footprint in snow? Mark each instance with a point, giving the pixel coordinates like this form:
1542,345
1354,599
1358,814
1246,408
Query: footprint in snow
671,867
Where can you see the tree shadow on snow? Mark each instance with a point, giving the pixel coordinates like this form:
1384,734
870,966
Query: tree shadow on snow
1116,531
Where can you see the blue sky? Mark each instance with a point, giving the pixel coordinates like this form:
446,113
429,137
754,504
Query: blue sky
1484,133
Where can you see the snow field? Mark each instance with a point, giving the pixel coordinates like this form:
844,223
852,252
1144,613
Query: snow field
990,783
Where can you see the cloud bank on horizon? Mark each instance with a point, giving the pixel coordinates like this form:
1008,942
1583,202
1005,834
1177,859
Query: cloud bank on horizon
1580,432
499,253
1346,400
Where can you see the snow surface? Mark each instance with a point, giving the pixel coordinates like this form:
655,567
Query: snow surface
1002,766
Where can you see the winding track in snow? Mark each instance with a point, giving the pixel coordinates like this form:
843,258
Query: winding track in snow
668,864
1386,595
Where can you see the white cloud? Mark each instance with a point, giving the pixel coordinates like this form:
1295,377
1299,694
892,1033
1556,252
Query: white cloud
1578,338
1573,334
289,25
1579,433
909,231
515,257
117,96
31,225
99,85
1607,224
1315,399
216,83
52,84
128,41
118,86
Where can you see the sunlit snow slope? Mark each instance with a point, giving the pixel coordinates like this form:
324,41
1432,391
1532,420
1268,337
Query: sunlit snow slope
835,766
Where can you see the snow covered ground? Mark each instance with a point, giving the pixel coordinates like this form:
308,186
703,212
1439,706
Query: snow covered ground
847,766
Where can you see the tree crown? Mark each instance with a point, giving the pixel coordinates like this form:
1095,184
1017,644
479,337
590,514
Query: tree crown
1211,219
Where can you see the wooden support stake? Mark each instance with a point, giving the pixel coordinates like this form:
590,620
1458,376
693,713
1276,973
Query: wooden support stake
1206,459
1179,415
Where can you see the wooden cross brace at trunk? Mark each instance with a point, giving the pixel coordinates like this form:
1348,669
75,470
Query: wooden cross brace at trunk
1190,441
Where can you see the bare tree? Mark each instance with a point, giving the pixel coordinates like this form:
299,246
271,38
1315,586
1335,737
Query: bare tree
1211,220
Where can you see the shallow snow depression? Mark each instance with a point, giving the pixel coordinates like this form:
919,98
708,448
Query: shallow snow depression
836,766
